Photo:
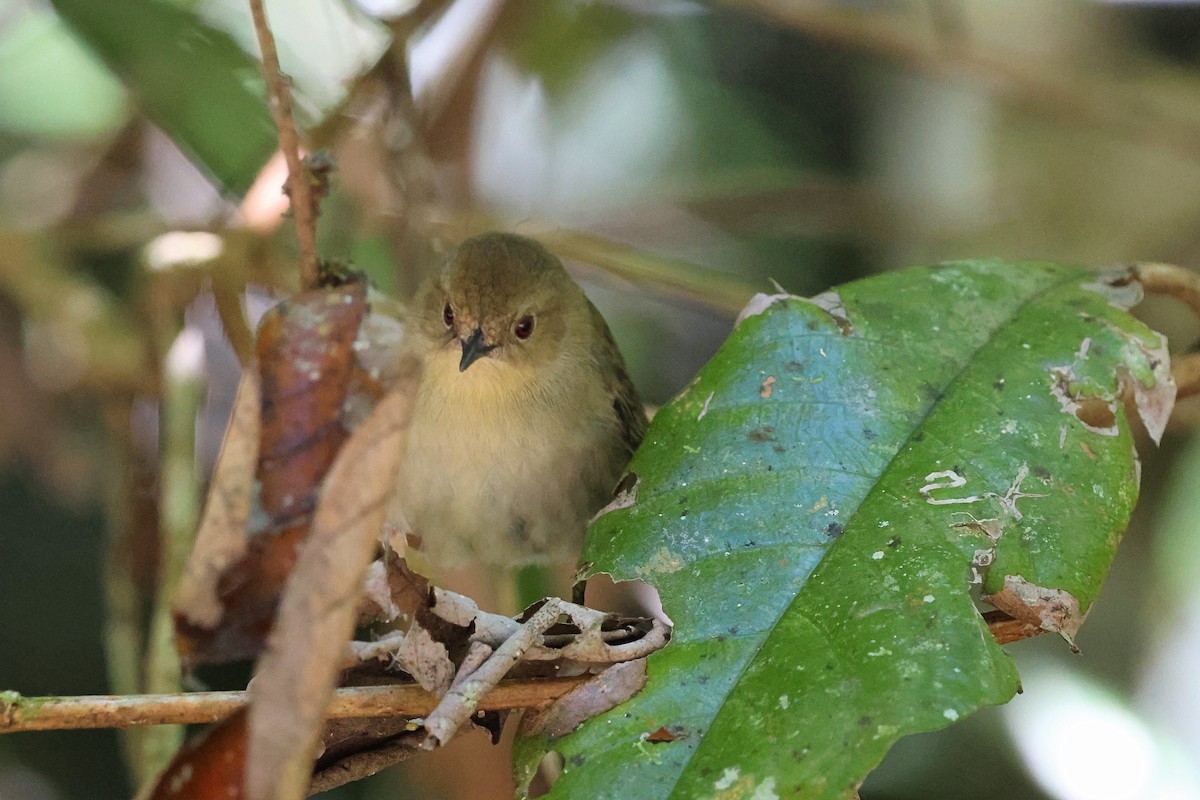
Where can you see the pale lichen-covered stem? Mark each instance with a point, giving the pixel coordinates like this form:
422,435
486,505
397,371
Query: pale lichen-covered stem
179,512
124,634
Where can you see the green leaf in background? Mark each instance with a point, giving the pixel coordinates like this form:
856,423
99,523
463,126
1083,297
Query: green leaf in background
50,85
817,507
193,81
191,71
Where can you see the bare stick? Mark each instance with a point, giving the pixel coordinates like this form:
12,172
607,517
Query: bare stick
18,713
280,98
464,696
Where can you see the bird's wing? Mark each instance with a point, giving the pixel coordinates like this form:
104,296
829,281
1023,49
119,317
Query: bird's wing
626,403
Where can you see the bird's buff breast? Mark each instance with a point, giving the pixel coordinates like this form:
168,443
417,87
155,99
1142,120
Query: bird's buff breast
495,473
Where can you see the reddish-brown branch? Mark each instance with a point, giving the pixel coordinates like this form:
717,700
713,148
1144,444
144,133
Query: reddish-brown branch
280,99
110,711
19,713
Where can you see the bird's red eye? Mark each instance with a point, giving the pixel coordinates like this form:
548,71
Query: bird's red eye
524,327
448,316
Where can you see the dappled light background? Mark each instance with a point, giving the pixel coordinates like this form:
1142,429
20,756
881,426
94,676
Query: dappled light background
680,156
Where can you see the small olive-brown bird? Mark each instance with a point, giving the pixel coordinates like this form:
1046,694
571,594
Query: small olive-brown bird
525,417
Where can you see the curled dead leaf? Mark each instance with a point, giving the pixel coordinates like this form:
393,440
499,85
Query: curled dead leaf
603,692
317,613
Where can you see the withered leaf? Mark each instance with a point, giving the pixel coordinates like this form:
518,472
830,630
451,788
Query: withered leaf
208,766
306,363
317,612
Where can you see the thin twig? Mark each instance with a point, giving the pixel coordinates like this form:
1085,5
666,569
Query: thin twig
18,713
280,98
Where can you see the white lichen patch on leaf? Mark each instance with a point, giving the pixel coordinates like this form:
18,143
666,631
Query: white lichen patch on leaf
728,777
760,303
1052,610
732,785
992,527
1014,493
1119,286
945,479
829,302
663,561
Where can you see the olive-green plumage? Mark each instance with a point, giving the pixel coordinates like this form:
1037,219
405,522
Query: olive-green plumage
525,417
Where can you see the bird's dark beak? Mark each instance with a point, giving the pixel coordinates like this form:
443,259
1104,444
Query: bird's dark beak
474,349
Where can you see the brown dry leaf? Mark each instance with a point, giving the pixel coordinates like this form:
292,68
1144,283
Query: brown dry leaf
605,691
208,766
426,659
306,365
306,358
296,673
221,539
1051,610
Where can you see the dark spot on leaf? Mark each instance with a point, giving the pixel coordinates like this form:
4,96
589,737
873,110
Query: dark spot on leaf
894,542
870,435
795,366
919,437
1087,318
770,468
661,735
626,484
864,722
1041,472
811,325
683,513
1095,412
833,530
779,449
578,760
703,679
999,384
750,543
763,434
733,630
829,667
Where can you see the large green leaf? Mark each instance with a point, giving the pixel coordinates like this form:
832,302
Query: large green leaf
191,79
189,65
815,509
